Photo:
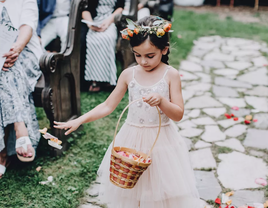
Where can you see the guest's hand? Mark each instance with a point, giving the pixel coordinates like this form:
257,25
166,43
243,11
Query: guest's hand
140,6
11,57
106,23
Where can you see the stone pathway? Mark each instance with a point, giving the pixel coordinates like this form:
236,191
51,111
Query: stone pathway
219,74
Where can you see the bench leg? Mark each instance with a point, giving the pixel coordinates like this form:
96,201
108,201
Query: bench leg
232,3
218,2
256,4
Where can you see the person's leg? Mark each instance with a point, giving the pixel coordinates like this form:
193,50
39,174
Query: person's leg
21,131
62,30
3,153
48,33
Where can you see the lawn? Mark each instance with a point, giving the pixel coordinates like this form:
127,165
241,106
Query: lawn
76,168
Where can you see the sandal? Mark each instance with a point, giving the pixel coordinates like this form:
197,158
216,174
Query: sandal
93,86
23,142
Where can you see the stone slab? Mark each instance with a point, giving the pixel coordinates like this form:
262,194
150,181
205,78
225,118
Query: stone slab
93,191
204,77
202,159
232,143
212,64
185,76
226,72
213,133
194,113
89,206
243,53
229,122
257,153
190,66
243,197
236,130
239,102
215,112
232,174
258,91
241,112
257,138
202,102
186,94
260,61
259,103
239,65
191,132
189,143
220,91
199,87
207,185
186,124
231,83
262,122
200,144
257,77
218,56
203,121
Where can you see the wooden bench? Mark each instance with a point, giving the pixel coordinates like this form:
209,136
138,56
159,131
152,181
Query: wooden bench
58,90
232,4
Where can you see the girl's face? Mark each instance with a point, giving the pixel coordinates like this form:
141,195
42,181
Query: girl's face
148,56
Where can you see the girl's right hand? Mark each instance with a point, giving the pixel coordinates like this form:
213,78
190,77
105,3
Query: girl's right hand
70,125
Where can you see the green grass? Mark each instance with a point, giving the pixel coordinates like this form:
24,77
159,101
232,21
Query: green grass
76,169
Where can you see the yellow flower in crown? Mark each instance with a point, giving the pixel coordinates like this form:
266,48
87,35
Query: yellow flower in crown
160,32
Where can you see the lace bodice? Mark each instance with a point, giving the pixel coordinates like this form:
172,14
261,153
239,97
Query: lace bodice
140,113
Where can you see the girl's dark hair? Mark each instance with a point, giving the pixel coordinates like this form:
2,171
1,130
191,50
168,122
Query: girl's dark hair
160,43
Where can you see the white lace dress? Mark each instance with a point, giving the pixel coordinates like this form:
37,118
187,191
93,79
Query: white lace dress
169,181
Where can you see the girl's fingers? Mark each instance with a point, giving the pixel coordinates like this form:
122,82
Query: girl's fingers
69,131
57,122
5,69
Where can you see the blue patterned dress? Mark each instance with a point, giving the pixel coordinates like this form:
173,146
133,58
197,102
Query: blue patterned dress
16,101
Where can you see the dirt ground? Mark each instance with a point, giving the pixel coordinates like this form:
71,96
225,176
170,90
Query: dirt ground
240,13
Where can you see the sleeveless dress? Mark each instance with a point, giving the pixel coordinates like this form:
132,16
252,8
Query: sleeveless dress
16,100
169,181
100,53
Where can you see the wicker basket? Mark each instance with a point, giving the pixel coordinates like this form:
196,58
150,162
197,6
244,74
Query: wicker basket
125,172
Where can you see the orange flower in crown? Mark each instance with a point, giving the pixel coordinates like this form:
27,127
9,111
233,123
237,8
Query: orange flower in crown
160,28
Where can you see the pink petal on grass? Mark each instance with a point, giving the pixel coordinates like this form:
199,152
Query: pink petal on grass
235,108
255,120
261,181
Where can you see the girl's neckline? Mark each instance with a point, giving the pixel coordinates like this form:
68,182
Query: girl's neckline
163,78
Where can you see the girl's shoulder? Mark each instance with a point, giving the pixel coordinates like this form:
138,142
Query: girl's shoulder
172,72
127,74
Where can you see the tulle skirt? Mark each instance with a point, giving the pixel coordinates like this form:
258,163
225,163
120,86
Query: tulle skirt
169,181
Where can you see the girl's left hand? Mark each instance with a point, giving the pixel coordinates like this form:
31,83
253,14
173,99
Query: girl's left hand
153,99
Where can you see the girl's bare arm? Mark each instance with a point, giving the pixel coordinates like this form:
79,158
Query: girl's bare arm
174,108
102,109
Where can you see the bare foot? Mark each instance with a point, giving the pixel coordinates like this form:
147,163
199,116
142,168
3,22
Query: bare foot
21,131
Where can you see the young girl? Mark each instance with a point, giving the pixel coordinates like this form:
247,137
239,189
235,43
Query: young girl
169,181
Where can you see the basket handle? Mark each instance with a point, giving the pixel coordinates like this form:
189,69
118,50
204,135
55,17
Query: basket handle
121,117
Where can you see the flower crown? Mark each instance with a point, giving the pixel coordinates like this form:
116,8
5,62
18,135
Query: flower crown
159,28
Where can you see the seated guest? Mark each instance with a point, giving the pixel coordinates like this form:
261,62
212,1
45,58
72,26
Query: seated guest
53,21
100,67
18,77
